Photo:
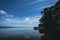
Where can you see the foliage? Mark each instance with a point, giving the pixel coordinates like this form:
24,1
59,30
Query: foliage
50,20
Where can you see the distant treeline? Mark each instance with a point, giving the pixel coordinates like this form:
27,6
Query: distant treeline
5,27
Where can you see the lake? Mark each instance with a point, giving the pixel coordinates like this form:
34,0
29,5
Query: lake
19,34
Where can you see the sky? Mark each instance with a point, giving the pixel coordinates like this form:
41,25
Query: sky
22,13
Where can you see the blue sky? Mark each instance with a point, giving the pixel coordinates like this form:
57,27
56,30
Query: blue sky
22,13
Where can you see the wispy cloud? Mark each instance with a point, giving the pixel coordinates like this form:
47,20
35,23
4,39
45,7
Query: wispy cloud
42,7
45,6
2,12
36,1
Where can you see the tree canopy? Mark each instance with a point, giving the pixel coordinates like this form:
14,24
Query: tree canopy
50,22
50,19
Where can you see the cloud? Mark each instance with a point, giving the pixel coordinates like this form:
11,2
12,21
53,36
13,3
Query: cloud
26,21
11,16
10,20
36,1
27,18
39,8
45,6
2,12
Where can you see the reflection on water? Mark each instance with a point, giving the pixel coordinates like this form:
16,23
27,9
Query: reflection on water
19,33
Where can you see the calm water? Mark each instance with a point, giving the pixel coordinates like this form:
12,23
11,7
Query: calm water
19,34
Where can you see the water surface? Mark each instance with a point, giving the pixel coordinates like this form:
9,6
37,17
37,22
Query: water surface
19,34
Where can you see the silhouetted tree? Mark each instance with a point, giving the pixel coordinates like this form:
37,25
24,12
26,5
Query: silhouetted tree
50,21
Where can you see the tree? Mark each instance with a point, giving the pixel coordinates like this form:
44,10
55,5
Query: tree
50,20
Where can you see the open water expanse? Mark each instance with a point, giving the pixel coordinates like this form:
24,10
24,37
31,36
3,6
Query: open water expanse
19,34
